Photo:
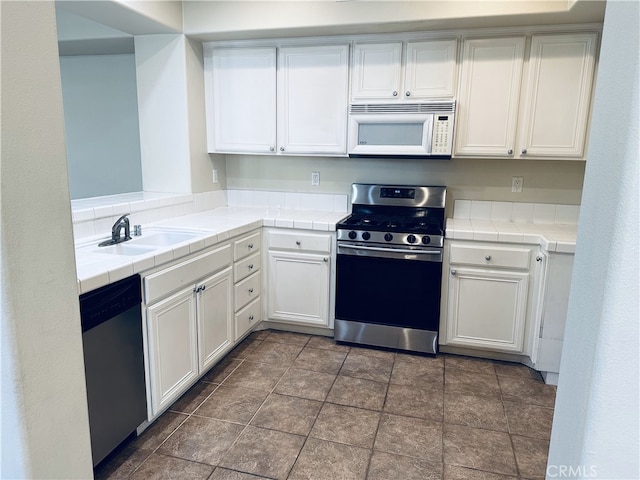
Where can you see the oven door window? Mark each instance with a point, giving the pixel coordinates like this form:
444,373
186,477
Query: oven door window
385,291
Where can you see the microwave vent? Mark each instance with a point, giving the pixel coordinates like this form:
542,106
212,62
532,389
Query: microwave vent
439,107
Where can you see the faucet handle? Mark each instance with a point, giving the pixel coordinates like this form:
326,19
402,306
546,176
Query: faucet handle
137,230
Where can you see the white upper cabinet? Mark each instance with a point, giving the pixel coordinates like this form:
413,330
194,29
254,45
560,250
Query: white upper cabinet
557,97
487,109
409,71
545,116
297,105
312,99
241,101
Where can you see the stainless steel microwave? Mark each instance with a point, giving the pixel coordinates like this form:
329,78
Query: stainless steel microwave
418,130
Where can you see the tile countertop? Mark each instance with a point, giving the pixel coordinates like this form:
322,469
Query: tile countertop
560,238
95,269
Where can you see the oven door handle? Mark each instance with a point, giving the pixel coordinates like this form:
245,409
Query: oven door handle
392,250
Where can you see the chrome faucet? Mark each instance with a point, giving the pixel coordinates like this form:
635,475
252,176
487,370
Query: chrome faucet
122,222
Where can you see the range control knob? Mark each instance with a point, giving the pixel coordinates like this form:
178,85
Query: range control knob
411,239
426,240
388,237
352,235
366,235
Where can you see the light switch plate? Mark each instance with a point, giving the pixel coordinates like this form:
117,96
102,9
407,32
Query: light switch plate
315,179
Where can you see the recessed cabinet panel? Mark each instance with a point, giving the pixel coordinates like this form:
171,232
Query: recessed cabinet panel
487,309
561,69
376,71
312,99
487,109
243,104
430,69
215,316
299,288
172,347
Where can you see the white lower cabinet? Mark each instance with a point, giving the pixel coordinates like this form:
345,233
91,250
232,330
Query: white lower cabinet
489,290
299,266
190,330
487,309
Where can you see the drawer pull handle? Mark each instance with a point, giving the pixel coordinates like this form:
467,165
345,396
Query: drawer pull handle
487,257
251,290
454,272
251,318
250,246
298,242
251,266
538,258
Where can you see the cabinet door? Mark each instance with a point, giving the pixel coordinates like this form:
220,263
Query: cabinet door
215,317
242,105
556,106
376,71
173,354
299,288
430,69
487,107
487,309
312,99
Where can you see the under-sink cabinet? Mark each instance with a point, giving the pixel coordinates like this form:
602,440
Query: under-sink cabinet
248,283
277,100
489,303
188,318
300,266
403,71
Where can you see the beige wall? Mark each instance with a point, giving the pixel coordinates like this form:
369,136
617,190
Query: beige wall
476,179
45,427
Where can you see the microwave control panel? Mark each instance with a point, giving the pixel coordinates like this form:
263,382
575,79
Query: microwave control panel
442,140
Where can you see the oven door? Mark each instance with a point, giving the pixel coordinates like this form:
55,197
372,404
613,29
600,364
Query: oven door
392,287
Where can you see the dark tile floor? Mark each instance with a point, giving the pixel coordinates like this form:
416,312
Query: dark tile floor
290,406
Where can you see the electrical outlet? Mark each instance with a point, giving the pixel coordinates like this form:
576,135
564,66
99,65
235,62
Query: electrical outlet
215,175
516,184
315,179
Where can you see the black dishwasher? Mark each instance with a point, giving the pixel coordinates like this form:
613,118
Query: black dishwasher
113,363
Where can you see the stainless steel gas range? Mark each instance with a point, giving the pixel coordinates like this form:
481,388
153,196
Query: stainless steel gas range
389,267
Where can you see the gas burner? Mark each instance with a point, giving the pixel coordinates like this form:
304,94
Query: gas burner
412,216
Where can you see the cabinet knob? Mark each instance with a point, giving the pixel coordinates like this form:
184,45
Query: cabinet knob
282,149
510,151
298,242
251,318
454,272
272,149
395,94
325,259
196,289
524,151
407,94
487,257
251,290
538,258
203,287
250,266
250,246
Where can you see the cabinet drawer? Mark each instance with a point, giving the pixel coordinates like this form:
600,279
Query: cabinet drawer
246,246
248,317
246,267
160,284
490,256
247,290
300,241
